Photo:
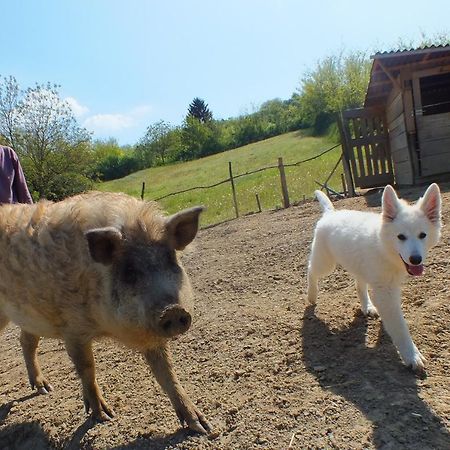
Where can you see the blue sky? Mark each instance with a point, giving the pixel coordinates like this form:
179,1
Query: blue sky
126,64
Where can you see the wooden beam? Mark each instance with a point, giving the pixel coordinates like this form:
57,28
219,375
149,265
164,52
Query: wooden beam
390,76
416,64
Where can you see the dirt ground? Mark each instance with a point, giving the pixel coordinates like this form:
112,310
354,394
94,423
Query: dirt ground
264,369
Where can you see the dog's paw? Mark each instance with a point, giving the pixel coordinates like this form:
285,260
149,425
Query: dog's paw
416,361
370,311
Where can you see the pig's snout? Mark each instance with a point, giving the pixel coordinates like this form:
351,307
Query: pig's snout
174,320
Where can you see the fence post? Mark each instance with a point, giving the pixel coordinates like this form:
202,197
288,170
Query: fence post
143,190
233,189
258,202
284,188
344,187
346,149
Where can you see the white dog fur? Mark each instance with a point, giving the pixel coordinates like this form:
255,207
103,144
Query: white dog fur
379,250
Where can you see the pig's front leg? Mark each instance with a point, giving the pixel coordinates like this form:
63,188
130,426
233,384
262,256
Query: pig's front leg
160,362
29,343
83,359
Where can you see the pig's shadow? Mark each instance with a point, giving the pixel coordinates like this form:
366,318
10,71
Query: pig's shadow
6,408
158,442
28,435
374,380
145,441
22,435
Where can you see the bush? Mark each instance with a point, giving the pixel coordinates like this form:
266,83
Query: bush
68,184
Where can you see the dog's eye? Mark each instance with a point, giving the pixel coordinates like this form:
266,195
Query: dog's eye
402,237
422,235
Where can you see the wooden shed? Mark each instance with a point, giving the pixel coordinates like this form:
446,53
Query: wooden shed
402,135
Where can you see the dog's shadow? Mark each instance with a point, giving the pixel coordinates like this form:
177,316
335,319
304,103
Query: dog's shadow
374,380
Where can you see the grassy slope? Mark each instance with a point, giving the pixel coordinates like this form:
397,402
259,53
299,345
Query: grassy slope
293,147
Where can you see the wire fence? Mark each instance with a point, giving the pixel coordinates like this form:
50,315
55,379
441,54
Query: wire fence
227,180
245,188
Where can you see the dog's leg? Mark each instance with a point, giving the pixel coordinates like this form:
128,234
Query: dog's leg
321,264
388,303
313,287
366,304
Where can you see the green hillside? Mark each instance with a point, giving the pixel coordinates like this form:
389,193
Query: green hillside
292,147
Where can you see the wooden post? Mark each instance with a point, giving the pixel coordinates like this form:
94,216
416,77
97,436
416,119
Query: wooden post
344,187
348,177
284,188
345,151
258,202
233,190
143,190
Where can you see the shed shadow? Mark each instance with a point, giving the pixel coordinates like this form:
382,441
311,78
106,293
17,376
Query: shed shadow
372,197
375,381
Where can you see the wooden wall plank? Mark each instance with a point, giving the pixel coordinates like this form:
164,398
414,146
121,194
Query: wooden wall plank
435,164
438,147
434,127
404,174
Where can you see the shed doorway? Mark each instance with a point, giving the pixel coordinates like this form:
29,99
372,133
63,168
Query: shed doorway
431,92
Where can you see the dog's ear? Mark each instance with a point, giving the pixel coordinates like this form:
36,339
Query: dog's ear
389,204
430,203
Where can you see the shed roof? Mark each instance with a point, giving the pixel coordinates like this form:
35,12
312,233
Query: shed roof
386,68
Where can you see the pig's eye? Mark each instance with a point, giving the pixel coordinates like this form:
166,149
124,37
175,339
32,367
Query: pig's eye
130,273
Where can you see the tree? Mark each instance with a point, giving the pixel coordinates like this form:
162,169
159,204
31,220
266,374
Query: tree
157,143
113,161
199,139
9,109
42,129
199,110
338,82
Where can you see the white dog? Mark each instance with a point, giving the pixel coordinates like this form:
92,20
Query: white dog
379,250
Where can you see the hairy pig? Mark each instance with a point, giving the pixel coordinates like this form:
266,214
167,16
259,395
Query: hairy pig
99,265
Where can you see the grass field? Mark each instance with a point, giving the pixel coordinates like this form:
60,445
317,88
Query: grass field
292,147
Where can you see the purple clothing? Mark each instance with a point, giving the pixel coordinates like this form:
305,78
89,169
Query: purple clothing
13,187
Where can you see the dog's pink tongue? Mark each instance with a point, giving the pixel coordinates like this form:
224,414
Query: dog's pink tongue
415,270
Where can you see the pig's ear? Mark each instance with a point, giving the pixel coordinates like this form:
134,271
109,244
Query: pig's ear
183,226
104,243
389,204
430,203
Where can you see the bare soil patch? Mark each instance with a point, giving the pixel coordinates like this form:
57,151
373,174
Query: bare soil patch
261,366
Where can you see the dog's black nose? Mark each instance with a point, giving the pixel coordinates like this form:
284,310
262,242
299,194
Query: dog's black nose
415,259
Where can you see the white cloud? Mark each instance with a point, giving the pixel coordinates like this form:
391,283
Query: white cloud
110,123
125,125
78,109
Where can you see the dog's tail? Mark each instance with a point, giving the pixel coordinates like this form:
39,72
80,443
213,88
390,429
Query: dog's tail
324,201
